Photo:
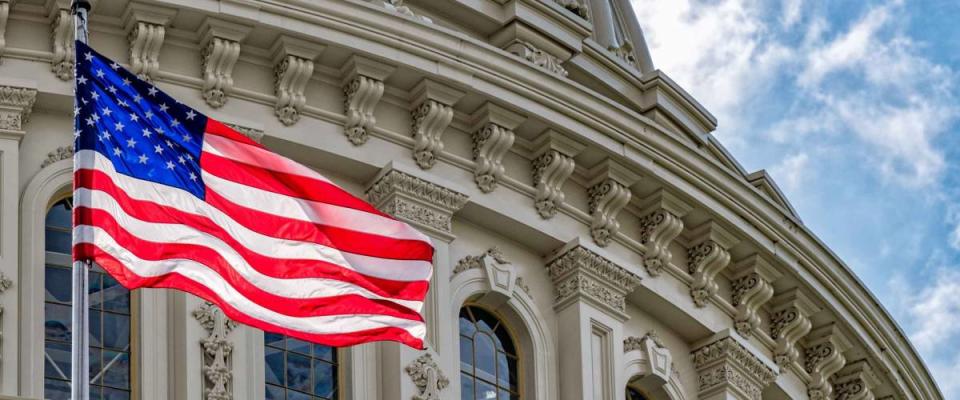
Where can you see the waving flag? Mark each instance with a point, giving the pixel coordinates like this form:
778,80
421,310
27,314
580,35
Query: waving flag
168,198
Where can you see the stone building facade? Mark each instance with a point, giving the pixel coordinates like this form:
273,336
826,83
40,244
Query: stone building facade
594,240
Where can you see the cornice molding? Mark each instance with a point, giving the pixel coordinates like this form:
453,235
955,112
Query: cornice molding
293,66
823,357
4,16
146,26
220,41
580,274
727,367
415,200
62,30
855,381
708,255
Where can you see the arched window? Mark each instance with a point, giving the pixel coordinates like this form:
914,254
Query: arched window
298,370
635,394
110,319
488,358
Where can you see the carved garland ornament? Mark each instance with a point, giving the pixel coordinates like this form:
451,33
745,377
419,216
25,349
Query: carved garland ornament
291,76
430,119
490,144
578,7
705,260
361,95
428,378
606,200
657,230
217,352
726,363
476,262
61,40
550,171
854,389
625,53
219,57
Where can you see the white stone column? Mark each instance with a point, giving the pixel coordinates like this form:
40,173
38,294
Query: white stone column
730,368
590,301
15,106
405,372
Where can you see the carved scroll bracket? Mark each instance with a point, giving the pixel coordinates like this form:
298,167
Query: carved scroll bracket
145,25
708,255
414,200
822,358
16,103
660,224
855,381
608,192
220,41
61,40
728,368
293,66
432,112
4,15
217,352
492,137
751,281
580,274
428,377
552,165
789,321
362,89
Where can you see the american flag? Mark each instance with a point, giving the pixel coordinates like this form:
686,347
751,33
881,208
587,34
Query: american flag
166,197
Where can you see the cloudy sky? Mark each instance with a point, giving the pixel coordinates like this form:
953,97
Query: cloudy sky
854,108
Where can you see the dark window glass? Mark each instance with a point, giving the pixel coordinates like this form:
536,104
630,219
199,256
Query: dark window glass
298,370
634,394
110,321
488,359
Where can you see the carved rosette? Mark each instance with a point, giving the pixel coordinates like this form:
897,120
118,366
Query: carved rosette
217,352
704,261
821,361
550,170
727,367
490,144
61,40
787,325
219,57
430,119
538,57
657,230
606,199
428,378
361,95
416,201
16,103
61,153
750,291
291,76
580,274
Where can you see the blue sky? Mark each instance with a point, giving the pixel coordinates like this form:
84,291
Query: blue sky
854,108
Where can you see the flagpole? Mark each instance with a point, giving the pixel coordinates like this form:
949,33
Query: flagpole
80,371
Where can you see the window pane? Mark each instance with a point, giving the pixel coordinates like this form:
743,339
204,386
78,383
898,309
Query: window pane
486,391
58,284
58,241
116,331
466,387
322,352
115,394
486,358
115,297
117,373
466,354
324,376
298,346
59,216
96,328
291,395
298,372
503,370
59,353
57,324
504,395
274,393
273,370
273,339
296,369
56,390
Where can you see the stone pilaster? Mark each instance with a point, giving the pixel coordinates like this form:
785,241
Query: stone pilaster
220,41
660,223
62,30
146,26
608,192
706,257
552,165
729,368
822,358
590,293
751,282
493,136
293,66
855,381
362,88
432,112
789,321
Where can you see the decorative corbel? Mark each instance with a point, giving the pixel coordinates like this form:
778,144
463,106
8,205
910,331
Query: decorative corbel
220,41
579,274
823,357
552,165
416,201
362,89
708,255
61,40
660,224
428,378
4,15
16,103
789,321
608,192
492,137
145,25
217,352
293,67
432,112
751,283
855,381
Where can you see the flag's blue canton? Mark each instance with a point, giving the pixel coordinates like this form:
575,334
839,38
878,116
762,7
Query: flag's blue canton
143,131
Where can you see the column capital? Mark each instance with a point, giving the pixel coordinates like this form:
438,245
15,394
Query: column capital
729,368
16,104
414,200
580,274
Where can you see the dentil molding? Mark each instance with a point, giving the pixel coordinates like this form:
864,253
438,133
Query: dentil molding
579,274
62,30
708,255
823,357
220,41
432,112
145,25
608,192
416,201
492,138
727,369
217,352
751,284
552,165
789,321
293,66
660,224
428,378
362,89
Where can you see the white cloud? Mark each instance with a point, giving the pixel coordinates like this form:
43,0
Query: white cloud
936,312
791,173
953,217
846,51
792,10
